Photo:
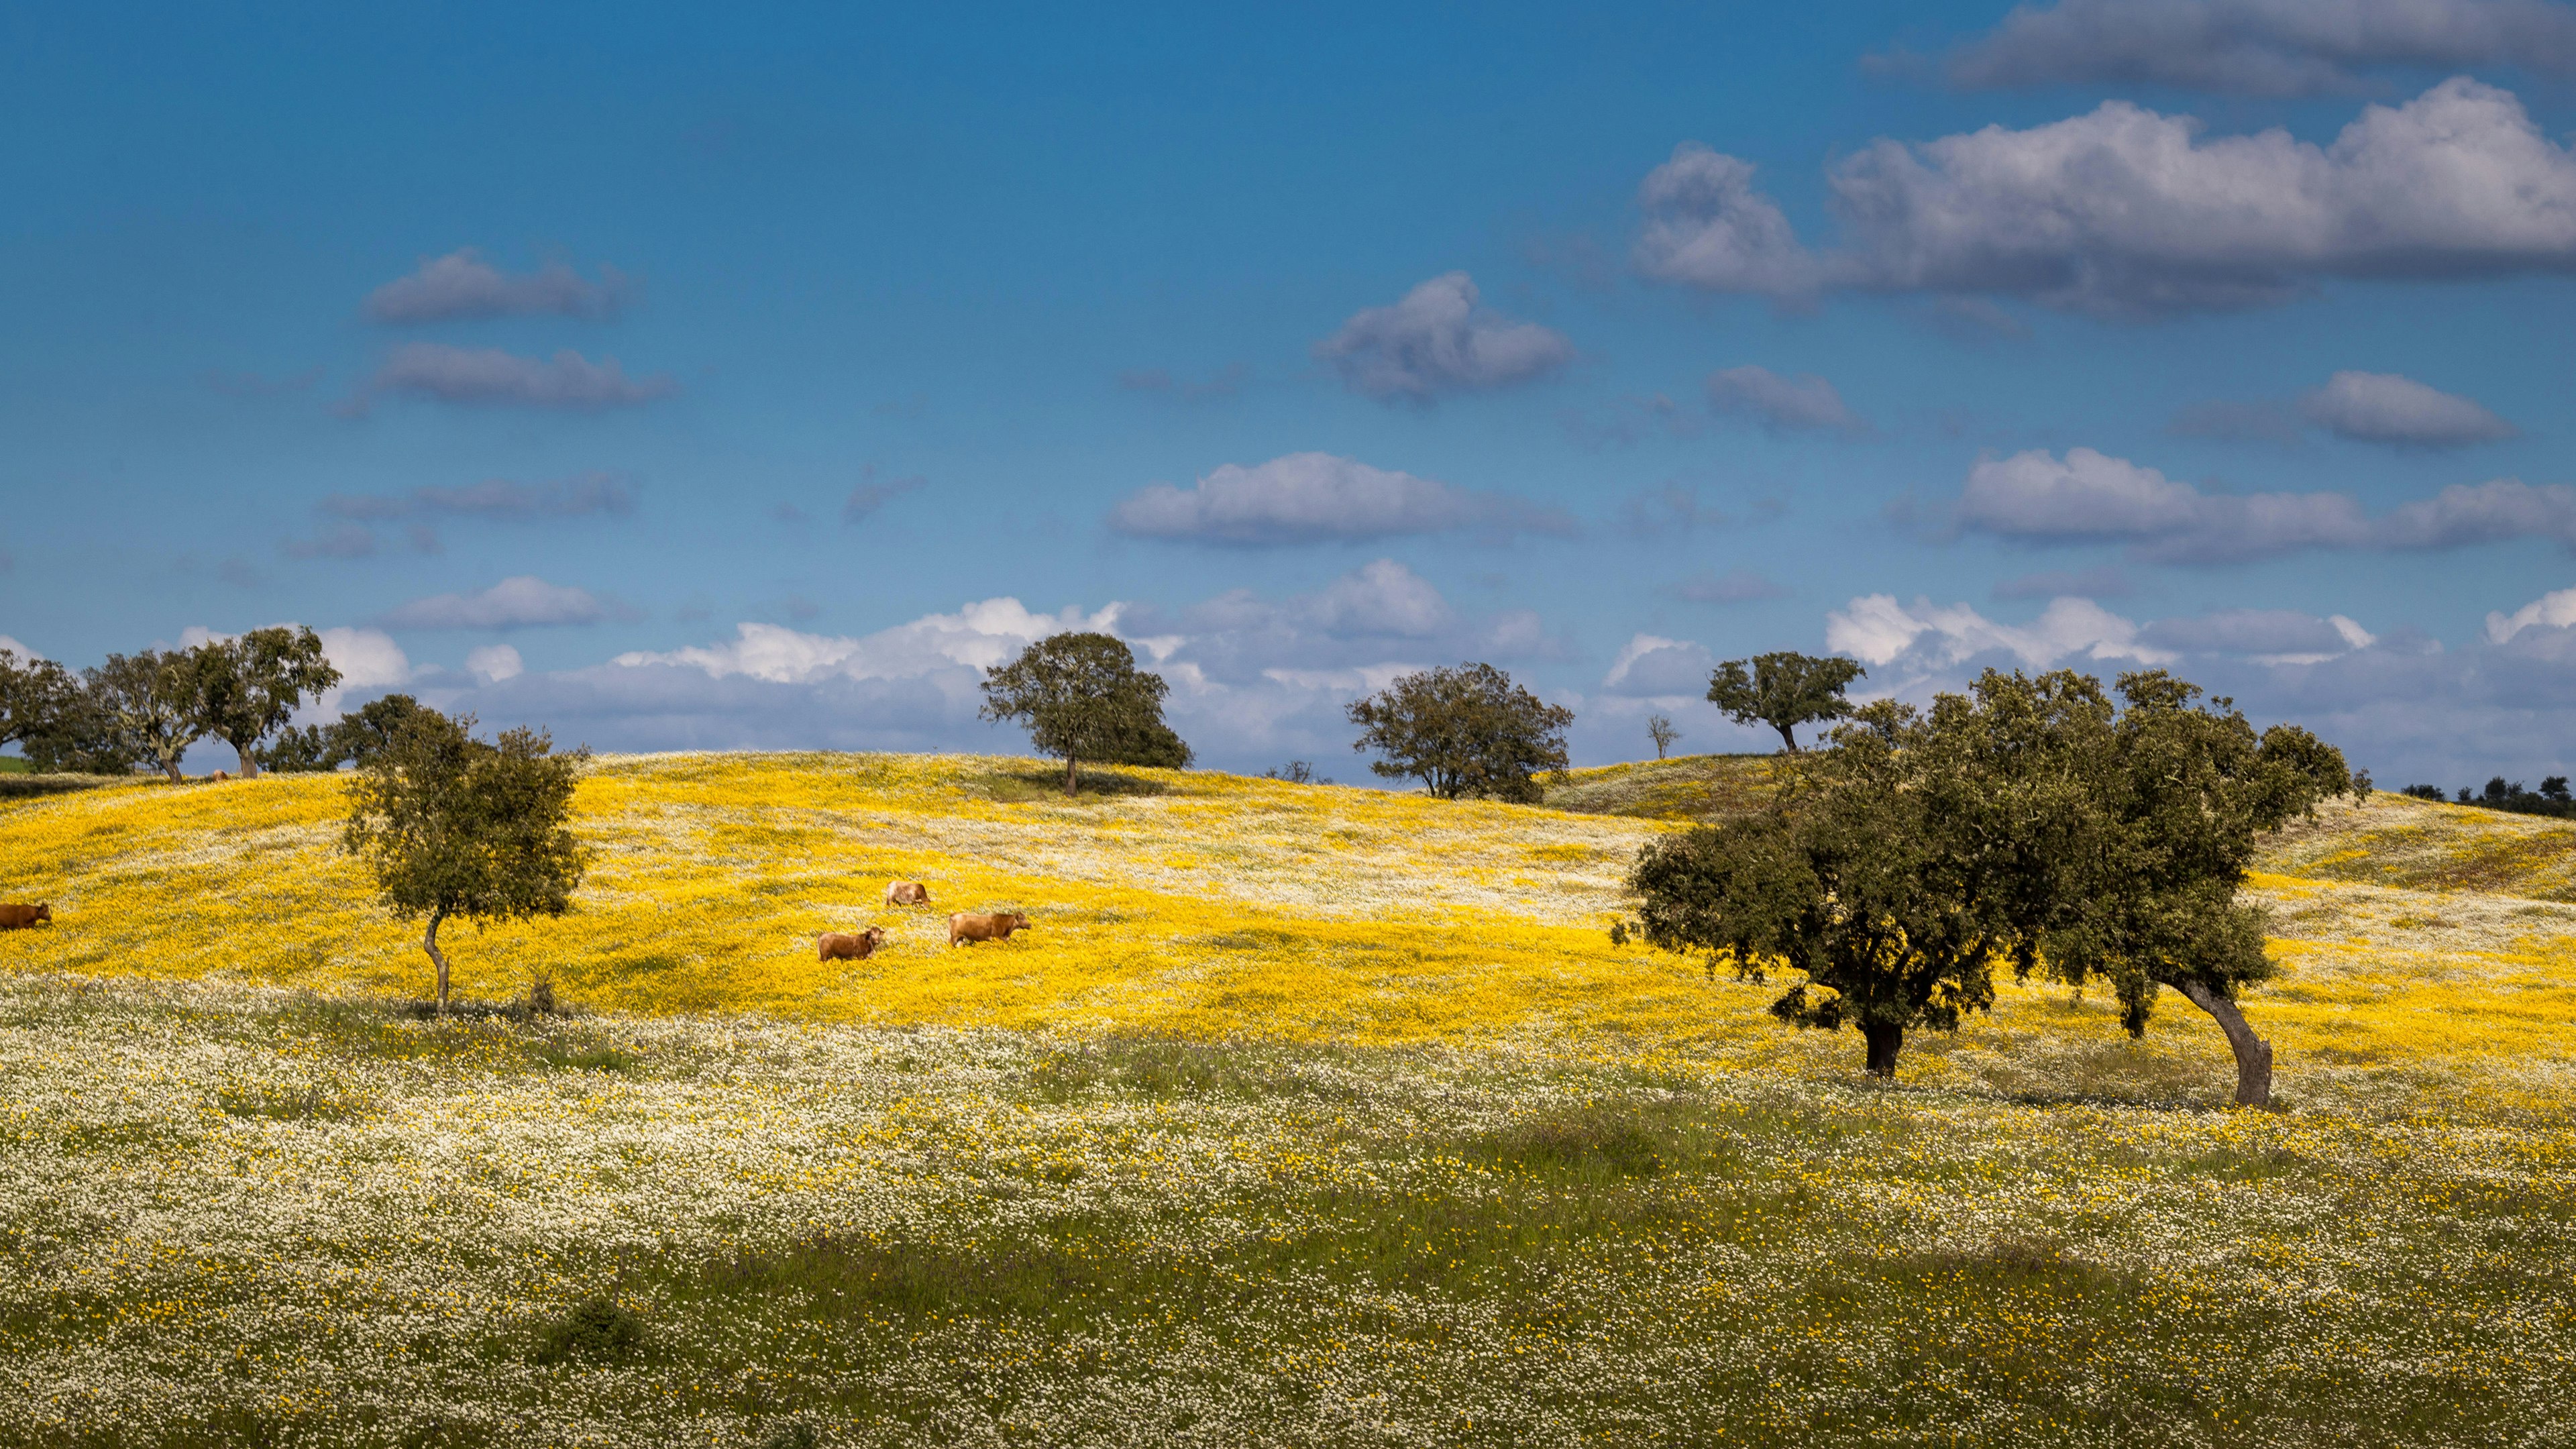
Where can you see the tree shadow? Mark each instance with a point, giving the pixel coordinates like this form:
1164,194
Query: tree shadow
1021,786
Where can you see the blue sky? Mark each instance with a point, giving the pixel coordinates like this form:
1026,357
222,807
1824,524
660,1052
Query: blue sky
679,380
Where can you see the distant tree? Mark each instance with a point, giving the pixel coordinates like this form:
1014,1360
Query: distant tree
1082,697
148,703
1659,728
246,688
1295,772
33,695
1468,731
452,827
355,737
2423,792
1783,690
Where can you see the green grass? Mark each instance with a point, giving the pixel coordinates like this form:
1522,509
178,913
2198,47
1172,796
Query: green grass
1687,787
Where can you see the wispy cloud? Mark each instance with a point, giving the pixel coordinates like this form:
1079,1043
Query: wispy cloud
1440,339
523,602
463,285
489,376
1320,498
1806,403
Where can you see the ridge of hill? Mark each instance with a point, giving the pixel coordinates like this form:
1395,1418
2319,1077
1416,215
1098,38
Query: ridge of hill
1686,788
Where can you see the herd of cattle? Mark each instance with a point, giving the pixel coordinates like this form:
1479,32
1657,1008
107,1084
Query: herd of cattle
964,927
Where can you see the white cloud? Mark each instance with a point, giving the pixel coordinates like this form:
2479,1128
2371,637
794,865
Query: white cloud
2260,47
1782,404
977,637
2092,497
1316,498
1651,667
2267,636
2382,407
1707,227
366,658
462,285
525,601
2126,212
1383,597
489,375
2556,610
1438,339
1877,630
21,650
495,662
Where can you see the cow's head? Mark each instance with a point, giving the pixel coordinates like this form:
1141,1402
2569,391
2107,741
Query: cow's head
44,912
1017,921
876,937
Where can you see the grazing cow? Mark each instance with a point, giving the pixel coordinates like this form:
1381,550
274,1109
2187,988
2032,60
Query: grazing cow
907,893
966,926
18,918
219,775
845,946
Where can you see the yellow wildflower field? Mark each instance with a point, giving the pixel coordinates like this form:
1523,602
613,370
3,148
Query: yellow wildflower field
1206,905
1304,1115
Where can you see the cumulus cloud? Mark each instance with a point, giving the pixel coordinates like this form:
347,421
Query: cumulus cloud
495,662
463,285
1650,667
489,376
2549,611
2271,636
1318,498
1878,631
2260,47
2091,497
1439,339
1806,403
580,496
12,646
523,602
2382,407
1383,597
2126,212
366,658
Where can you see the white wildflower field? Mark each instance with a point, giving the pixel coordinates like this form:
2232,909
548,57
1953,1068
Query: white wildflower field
1340,1164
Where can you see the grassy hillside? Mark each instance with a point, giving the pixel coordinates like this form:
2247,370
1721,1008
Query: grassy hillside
1688,788
1304,1116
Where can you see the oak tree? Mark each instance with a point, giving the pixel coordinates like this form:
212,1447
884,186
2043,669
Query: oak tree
1468,731
1083,698
147,703
453,827
247,688
1783,690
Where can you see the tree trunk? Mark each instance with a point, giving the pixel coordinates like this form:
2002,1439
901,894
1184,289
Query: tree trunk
1884,1043
1072,775
170,767
1787,738
2253,1054
249,766
429,943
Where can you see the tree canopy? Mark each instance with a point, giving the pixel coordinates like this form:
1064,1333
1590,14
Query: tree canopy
453,827
147,704
356,737
2031,820
1468,731
32,695
1083,698
1783,690
246,688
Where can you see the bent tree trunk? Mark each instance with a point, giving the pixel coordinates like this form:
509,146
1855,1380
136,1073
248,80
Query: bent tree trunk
438,958
249,766
1884,1043
1787,738
2253,1054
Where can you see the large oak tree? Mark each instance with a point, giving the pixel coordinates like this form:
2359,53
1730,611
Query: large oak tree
1083,698
1468,731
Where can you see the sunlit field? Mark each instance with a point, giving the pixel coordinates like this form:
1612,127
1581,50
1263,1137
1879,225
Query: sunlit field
1304,1115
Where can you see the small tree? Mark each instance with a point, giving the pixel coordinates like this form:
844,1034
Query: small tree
1468,731
32,696
1783,690
148,699
453,827
1083,698
1659,728
247,688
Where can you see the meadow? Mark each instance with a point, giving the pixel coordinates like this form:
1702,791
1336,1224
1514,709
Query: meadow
1305,1115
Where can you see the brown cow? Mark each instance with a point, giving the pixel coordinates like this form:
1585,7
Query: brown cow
907,893
844,946
966,926
18,918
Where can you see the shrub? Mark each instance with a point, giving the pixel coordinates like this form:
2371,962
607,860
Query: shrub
598,1327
